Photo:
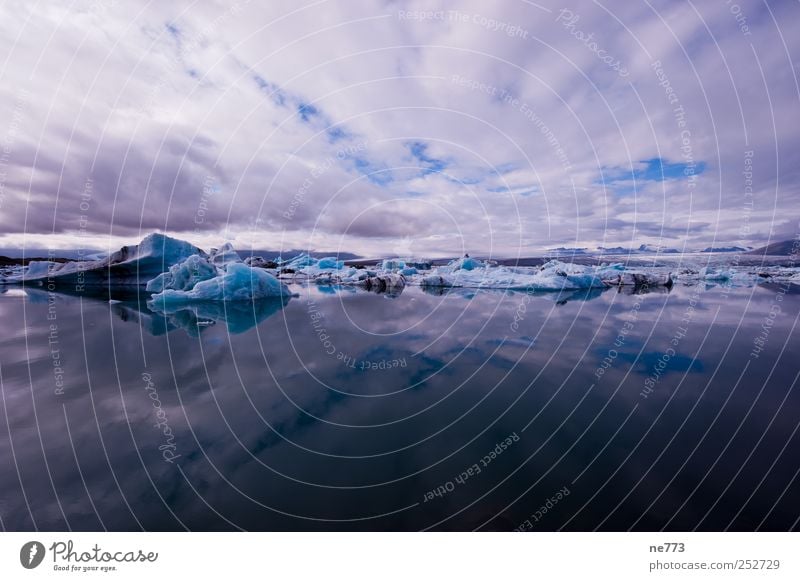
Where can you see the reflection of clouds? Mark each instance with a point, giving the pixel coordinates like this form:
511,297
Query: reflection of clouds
245,402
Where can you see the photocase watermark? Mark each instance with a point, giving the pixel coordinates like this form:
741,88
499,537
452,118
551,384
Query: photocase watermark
10,138
761,339
67,558
31,554
53,334
84,205
210,189
329,347
662,364
622,334
741,19
548,505
317,172
491,24
370,365
168,448
747,211
469,473
681,121
522,308
569,20
527,111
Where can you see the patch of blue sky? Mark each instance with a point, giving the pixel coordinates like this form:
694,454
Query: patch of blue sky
524,191
274,91
307,111
624,181
378,174
419,151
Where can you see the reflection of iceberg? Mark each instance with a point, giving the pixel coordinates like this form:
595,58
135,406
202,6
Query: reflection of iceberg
155,324
126,303
332,289
238,316
559,297
644,289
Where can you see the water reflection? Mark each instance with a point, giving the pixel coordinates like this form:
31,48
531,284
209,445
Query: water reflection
342,411
238,316
559,297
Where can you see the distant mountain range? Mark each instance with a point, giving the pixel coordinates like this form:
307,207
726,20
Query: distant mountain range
785,248
295,252
642,249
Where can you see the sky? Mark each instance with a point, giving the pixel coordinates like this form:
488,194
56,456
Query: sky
400,127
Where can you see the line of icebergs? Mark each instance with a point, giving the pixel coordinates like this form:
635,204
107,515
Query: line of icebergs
178,272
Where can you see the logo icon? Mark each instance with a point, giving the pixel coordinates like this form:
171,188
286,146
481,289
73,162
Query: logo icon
31,554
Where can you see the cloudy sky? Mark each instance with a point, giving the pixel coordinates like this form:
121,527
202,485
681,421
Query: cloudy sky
398,127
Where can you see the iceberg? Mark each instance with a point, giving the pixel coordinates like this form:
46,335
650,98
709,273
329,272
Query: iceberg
551,276
298,262
330,263
260,262
223,255
239,282
184,275
388,282
130,265
393,264
465,263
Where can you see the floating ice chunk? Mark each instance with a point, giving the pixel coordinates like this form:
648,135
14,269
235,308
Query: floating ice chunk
330,263
239,283
184,275
298,262
638,279
552,276
224,255
39,269
393,264
260,262
712,274
387,282
408,271
465,263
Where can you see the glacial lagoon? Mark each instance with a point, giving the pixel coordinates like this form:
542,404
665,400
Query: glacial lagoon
436,409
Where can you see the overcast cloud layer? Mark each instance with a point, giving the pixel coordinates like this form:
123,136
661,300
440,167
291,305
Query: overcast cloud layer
400,127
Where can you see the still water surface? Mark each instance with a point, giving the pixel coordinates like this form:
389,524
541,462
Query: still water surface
344,410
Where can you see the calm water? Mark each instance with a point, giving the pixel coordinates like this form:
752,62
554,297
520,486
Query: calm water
340,410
